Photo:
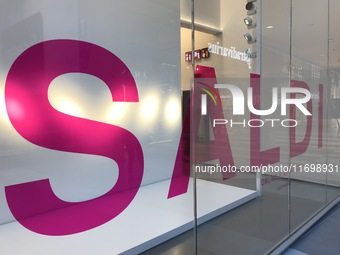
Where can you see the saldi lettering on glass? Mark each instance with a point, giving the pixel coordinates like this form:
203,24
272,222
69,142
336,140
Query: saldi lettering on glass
27,89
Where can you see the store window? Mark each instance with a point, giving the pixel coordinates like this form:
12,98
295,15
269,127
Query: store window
126,124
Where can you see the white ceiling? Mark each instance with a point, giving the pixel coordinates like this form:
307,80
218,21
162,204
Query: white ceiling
315,31
311,35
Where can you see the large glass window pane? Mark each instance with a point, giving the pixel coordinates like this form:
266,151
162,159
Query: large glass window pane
309,70
90,127
333,103
227,137
275,62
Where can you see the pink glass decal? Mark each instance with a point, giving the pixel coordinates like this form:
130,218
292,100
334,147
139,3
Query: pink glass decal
181,173
219,148
34,204
298,148
258,157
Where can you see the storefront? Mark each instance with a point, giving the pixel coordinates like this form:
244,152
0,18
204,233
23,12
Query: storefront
127,123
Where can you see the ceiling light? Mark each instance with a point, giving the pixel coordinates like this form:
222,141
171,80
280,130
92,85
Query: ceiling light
270,27
249,38
249,22
250,7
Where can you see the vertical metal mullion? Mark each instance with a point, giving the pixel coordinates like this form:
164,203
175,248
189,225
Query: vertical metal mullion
192,142
290,80
327,88
259,71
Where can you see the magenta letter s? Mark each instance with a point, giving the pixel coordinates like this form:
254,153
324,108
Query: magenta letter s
34,204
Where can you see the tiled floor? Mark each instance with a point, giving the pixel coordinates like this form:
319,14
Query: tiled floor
247,230
323,238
